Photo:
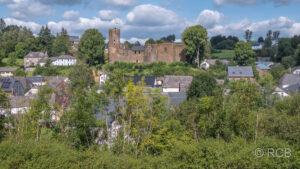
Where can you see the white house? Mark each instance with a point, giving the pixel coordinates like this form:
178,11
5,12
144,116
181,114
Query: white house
7,72
296,70
63,60
281,93
103,78
257,46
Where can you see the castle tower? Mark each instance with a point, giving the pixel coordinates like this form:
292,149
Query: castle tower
113,44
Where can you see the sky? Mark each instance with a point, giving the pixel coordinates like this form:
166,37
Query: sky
143,19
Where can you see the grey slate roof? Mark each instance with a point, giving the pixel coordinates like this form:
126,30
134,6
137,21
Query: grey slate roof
8,69
20,101
54,81
240,71
182,82
289,79
295,68
138,48
292,89
24,81
149,80
74,38
36,79
36,55
62,57
8,84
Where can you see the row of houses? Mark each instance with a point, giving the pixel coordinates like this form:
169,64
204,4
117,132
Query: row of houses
40,58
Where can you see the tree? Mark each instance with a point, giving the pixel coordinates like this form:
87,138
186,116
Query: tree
243,52
260,39
195,39
276,35
297,57
248,35
19,72
61,44
295,40
268,40
21,49
288,61
137,43
81,76
128,44
91,47
170,38
150,41
284,49
2,25
12,58
202,85
45,40
24,34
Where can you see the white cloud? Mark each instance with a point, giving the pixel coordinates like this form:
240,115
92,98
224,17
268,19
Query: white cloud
151,15
120,3
133,40
108,14
32,25
286,26
252,2
209,18
71,15
25,9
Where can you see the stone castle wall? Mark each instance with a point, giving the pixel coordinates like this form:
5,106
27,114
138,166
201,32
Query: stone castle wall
165,52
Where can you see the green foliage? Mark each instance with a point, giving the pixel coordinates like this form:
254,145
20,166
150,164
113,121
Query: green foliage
45,40
21,49
223,54
284,49
169,38
91,47
46,71
243,52
278,72
288,61
195,40
61,44
154,69
150,41
12,58
202,85
19,72
297,56
81,76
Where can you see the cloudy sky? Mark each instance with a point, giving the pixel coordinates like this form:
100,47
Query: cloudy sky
141,19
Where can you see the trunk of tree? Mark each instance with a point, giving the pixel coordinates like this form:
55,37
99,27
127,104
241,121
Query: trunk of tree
198,57
256,130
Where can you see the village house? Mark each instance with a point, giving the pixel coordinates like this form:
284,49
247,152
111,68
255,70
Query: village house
33,58
290,82
257,46
63,60
7,72
240,72
19,104
149,81
262,69
296,70
173,84
280,92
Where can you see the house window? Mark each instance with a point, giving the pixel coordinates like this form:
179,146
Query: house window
134,52
139,52
166,49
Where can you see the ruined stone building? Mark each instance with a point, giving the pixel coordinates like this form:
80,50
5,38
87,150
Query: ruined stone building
164,52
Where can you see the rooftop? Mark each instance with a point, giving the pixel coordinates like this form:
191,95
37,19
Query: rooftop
240,71
36,55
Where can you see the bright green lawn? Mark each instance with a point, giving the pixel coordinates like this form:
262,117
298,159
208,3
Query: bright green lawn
19,62
224,54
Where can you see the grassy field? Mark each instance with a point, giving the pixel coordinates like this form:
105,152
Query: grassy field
19,62
224,54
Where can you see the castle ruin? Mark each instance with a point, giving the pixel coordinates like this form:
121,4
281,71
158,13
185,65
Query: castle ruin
164,52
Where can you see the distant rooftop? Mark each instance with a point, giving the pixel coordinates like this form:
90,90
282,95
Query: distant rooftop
240,71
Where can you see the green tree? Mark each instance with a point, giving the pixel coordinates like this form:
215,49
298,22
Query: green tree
19,72
288,61
243,52
61,44
248,35
2,25
91,47
128,44
195,40
202,85
284,49
21,49
150,41
297,56
45,40
81,76
12,58
24,34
